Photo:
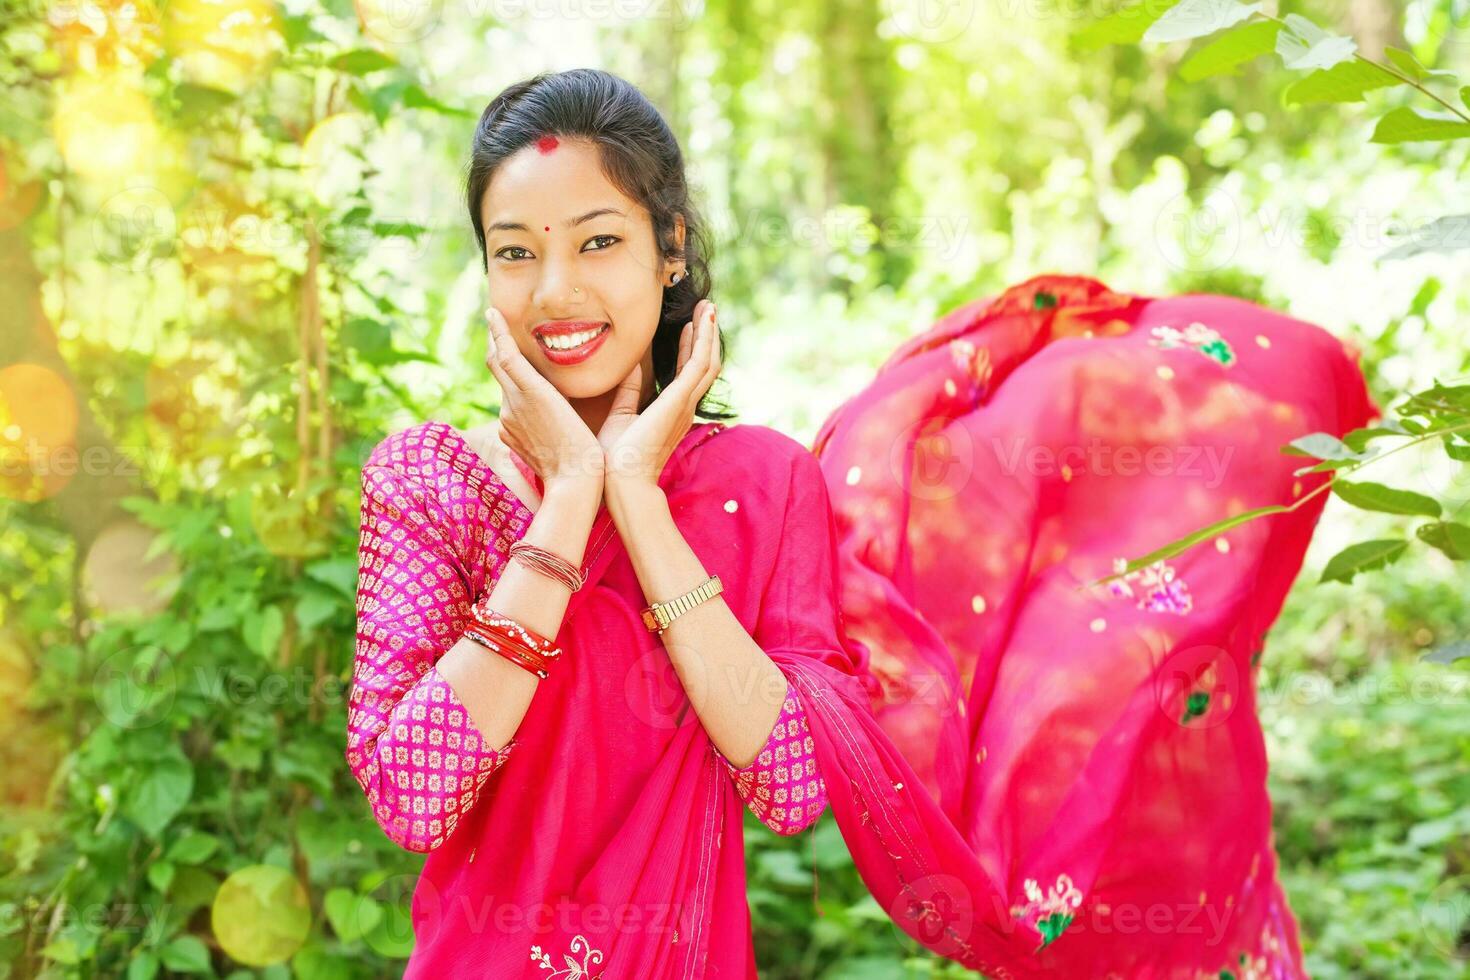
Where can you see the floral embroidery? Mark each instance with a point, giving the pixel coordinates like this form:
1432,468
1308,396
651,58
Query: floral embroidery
1155,587
574,971
1048,914
1195,706
1205,339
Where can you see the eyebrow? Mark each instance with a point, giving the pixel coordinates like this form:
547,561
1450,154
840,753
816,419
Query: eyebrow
571,222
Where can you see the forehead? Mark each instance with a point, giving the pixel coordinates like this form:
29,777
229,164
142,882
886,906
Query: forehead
539,185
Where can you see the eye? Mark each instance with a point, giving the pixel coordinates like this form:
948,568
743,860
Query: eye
610,238
509,248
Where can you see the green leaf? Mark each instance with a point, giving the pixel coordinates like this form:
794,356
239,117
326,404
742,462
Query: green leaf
415,97
198,103
393,936
186,954
1465,96
361,61
1197,18
161,875
143,966
367,336
1447,234
315,608
1305,45
297,30
1448,536
315,963
1124,26
1406,63
192,887
385,98
62,951
194,847
339,573
1229,51
158,797
1387,500
1405,125
1322,445
352,915
1347,82
263,629
1363,557
1358,439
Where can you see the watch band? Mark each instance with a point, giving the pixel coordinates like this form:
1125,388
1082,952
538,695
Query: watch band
658,616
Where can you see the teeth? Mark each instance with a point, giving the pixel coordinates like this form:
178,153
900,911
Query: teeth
571,340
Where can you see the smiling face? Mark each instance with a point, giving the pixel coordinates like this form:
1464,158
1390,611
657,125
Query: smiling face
565,244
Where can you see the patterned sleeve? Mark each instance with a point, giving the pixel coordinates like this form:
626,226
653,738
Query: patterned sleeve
782,786
411,744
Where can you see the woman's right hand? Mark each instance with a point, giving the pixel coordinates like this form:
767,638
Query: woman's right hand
536,420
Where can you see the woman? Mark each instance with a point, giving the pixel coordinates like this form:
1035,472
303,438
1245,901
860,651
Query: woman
701,617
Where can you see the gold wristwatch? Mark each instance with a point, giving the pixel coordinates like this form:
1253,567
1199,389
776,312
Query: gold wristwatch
658,616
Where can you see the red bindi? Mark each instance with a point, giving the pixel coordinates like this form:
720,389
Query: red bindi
546,144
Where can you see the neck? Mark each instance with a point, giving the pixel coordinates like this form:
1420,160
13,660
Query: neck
594,411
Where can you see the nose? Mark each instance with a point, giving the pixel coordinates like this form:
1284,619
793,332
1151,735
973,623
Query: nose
557,288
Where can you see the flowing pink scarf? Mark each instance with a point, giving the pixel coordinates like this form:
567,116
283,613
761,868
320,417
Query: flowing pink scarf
1063,780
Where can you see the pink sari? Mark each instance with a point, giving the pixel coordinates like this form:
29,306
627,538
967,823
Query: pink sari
1034,779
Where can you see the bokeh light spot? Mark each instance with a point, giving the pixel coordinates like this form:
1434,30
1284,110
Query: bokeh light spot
261,915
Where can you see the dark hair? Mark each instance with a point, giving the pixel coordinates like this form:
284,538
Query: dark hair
639,155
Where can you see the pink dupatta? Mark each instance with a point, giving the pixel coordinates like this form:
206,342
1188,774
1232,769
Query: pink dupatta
1062,780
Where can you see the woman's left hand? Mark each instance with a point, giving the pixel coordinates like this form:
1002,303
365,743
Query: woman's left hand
636,445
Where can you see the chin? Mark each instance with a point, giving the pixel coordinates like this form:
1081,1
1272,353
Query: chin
582,381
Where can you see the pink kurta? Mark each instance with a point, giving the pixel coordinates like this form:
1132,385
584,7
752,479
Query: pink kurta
1037,775
609,767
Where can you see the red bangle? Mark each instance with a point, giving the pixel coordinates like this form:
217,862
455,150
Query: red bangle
515,631
511,639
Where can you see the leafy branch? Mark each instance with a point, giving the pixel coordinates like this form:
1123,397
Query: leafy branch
1339,73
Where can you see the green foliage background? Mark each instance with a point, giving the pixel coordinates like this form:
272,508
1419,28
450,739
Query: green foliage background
233,256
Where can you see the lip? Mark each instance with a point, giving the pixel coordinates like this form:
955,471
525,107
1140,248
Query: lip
576,355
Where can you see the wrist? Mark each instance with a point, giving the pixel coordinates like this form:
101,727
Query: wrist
628,494
573,489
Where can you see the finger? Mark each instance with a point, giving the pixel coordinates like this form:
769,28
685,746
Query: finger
686,344
492,345
715,362
712,356
504,355
625,399
692,381
703,340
